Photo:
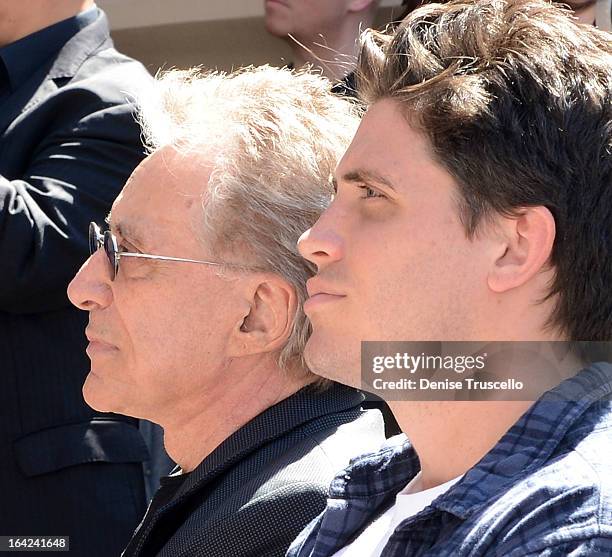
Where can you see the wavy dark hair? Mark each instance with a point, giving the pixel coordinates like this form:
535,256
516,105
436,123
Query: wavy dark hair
516,101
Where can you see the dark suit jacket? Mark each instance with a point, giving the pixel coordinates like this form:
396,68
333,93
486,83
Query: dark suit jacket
68,143
255,492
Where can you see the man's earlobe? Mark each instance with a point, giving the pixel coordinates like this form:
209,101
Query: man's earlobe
525,250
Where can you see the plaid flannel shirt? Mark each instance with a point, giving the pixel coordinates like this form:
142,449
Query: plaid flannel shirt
545,489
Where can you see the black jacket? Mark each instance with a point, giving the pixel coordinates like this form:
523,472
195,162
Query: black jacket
254,493
68,143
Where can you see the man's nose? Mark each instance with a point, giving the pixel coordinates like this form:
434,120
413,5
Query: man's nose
323,243
90,288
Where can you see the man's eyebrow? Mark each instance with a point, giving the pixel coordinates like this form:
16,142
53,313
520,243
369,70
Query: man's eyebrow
367,177
125,230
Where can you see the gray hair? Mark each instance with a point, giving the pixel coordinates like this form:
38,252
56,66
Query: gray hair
273,137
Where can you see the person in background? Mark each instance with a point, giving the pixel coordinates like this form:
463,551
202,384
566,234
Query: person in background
322,33
593,12
68,141
195,299
474,204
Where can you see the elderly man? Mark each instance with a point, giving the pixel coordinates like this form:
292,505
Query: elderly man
195,320
474,205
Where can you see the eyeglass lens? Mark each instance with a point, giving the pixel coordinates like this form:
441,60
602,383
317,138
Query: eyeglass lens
97,240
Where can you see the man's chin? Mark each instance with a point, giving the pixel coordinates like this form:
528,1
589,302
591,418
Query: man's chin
325,360
276,28
96,394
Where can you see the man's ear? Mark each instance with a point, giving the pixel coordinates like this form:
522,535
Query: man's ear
525,247
359,5
269,321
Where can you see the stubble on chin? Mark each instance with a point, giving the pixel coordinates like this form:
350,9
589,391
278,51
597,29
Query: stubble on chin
333,364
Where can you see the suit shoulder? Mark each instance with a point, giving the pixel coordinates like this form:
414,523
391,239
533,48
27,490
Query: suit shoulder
327,446
111,76
263,502
264,526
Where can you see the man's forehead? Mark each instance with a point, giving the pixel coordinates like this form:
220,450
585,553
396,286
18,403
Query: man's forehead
168,170
386,148
369,142
365,164
123,226
161,200
166,179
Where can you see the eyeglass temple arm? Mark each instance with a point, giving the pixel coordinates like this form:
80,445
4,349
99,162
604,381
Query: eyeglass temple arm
166,258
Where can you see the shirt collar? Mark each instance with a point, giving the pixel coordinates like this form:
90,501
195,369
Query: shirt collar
520,452
23,57
530,442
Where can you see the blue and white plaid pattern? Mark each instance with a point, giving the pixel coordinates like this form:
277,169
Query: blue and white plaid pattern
545,489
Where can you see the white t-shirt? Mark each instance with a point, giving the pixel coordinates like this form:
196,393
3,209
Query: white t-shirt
408,502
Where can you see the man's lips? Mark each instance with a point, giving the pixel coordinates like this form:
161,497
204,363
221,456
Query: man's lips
319,300
316,286
320,294
97,344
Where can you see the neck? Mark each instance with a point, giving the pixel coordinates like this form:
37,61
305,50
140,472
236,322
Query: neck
450,437
196,428
19,20
334,53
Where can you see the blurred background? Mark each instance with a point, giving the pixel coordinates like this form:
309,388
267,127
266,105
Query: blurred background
215,33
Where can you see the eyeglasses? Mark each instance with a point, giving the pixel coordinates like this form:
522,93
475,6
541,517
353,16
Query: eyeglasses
107,240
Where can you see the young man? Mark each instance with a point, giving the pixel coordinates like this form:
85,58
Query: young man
474,205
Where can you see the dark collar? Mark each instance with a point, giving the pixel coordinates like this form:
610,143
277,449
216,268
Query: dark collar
347,86
304,406
25,56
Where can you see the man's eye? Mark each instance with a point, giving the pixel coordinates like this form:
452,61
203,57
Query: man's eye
369,193
127,248
334,184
